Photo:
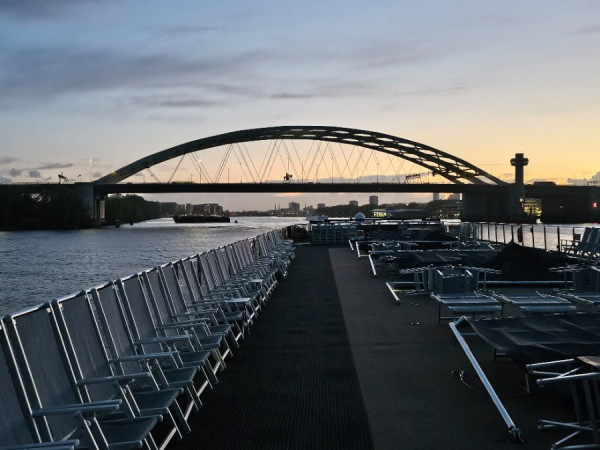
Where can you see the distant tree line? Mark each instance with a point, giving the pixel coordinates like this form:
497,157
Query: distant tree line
129,209
52,209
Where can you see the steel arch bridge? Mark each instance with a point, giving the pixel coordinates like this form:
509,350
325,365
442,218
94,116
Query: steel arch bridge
454,169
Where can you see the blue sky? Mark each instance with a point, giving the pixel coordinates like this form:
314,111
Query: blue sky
112,80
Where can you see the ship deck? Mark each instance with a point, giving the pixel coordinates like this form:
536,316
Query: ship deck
334,362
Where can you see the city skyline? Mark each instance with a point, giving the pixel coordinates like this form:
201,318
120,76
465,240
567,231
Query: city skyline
87,87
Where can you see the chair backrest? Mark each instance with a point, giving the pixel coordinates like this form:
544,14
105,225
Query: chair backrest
231,259
83,342
114,324
48,377
213,265
16,425
186,269
585,240
156,294
244,250
223,266
140,320
206,276
172,288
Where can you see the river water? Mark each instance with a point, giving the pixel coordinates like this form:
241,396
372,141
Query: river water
39,266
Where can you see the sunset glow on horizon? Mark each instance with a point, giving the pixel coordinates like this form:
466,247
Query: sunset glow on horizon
87,87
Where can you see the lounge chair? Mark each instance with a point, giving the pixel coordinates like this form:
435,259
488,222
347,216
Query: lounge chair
582,375
153,337
175,295
213,288
226,312
51,390
18,427
537,303
210,333
96,378
469,304
171,323
128,357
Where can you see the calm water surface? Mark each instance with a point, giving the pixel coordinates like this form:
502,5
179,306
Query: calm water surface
38,266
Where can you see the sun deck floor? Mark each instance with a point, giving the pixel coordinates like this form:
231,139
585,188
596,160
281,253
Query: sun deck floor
334,362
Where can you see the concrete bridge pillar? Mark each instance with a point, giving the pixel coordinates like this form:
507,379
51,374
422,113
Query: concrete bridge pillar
95,204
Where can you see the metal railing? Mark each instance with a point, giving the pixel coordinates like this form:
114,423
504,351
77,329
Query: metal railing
541,236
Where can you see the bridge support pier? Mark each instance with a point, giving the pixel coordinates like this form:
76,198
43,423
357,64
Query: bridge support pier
93,202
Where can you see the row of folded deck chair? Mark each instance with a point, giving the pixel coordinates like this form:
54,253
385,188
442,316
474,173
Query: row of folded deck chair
555,343
123,365
586,247
554,337
463,291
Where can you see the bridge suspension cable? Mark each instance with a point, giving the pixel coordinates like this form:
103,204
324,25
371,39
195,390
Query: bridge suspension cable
353,166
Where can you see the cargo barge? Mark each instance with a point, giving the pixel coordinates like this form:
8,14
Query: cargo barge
201,219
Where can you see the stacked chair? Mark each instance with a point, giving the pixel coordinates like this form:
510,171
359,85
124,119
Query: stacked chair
124,364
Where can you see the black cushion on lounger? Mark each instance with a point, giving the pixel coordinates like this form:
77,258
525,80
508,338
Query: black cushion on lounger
531,339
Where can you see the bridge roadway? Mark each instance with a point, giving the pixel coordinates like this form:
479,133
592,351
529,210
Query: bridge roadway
147,188
481,202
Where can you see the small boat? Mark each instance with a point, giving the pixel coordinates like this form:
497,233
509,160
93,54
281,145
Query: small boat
201,219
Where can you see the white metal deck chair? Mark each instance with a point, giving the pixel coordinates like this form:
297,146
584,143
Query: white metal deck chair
174,294
244,265
18,429
171,323
469,304
583,376
224,284
226,312
50,387
96,379
277,244
251,285
537,303
588,247
281,257
173,275
212,291
155,337
128,358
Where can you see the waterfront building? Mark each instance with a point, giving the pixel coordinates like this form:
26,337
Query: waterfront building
208,209
294,207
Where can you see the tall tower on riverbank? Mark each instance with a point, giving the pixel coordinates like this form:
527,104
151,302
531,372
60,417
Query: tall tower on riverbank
519,162
517,190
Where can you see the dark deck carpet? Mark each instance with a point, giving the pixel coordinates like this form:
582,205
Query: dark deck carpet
293,383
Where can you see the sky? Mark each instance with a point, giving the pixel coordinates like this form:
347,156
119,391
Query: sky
88,86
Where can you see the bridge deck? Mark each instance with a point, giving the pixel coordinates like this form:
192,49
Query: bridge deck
334,362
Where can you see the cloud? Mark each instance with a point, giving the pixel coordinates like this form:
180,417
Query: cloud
4,180
50,166
40,10
64,70
15,172
592,29
584,181
191,30
8,159
168,101
34,174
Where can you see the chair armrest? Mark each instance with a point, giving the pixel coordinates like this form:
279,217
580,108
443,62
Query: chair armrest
92,407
